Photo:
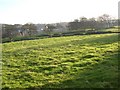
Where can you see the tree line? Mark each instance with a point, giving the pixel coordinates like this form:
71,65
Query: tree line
10,31
81,24
104,21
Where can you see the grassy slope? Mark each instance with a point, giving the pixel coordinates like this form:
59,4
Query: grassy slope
66,62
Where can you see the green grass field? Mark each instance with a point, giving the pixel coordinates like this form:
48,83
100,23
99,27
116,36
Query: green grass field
88,61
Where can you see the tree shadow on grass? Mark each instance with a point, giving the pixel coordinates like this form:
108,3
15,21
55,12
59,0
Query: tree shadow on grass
104,74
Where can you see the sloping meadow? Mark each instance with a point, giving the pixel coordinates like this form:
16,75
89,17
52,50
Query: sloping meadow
88,61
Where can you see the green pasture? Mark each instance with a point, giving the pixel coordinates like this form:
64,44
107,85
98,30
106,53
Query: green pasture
87,61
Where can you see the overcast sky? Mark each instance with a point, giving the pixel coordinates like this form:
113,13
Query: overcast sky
51,11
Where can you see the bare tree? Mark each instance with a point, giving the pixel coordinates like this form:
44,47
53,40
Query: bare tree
49,29
30,28
9,31
105,19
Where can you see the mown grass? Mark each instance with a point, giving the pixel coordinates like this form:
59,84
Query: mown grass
89,61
